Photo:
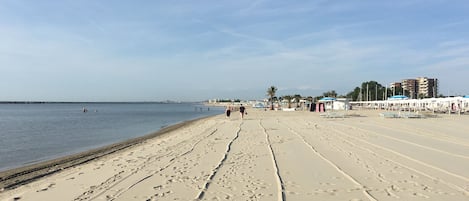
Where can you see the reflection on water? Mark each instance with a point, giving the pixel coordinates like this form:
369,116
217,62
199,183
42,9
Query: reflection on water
36,132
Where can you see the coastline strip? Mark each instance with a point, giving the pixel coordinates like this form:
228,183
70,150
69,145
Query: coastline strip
13,178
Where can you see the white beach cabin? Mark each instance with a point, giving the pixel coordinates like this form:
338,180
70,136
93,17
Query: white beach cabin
334,103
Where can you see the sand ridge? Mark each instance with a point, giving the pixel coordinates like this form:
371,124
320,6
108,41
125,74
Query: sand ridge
277,155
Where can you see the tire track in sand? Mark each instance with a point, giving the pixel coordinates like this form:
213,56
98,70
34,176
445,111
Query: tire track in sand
406,142
428,134
336,167
451,185
220,164
96,191
280,183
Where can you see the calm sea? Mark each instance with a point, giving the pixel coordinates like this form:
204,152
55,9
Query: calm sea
31,133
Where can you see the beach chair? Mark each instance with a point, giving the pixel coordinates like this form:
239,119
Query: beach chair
389,115
332,115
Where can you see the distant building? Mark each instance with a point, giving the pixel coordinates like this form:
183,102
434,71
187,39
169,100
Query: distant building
421,87
411,88
394,86
428,87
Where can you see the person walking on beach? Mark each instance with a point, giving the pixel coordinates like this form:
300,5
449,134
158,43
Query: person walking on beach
228,111
242,109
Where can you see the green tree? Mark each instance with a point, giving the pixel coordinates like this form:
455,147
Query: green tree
332,94
422,96
271,93
355,94
310,99
288,98
297,98
369,91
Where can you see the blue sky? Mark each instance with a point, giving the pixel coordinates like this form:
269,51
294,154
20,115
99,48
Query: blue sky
93,50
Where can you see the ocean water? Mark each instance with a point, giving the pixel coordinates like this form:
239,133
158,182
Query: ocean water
31,133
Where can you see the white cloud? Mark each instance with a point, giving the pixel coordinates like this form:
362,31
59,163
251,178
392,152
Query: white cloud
300,46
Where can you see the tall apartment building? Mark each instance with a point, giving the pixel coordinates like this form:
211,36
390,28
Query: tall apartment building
411,88
421,87
427,87
394,86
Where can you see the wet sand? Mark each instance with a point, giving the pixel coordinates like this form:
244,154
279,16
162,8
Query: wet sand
275,155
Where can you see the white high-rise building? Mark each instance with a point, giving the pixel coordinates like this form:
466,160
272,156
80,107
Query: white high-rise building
421,87
427,87
410,87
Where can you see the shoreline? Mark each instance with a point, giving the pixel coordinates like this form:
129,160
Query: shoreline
18,176
276,155
93,102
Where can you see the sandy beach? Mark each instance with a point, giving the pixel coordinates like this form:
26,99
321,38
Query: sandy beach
275,155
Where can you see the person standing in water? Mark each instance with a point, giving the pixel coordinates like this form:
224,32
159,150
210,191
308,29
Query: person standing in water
242,109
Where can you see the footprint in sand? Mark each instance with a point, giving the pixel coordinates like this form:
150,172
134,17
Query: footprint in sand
390,193
163,194
292,193
421,195
46,188
159,187
352,190
395,188
326,184
414,176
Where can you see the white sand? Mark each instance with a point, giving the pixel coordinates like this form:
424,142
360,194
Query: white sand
276,155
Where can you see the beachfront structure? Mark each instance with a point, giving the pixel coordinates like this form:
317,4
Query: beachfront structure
398,97
393,87
329,103
440,105
427,87
410,87
421,87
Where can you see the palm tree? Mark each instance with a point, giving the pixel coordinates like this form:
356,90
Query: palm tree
288,98
310,99
297,98
271,93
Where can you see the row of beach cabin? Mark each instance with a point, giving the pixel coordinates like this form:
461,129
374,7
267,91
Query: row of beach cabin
394,103
397,103
402,103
